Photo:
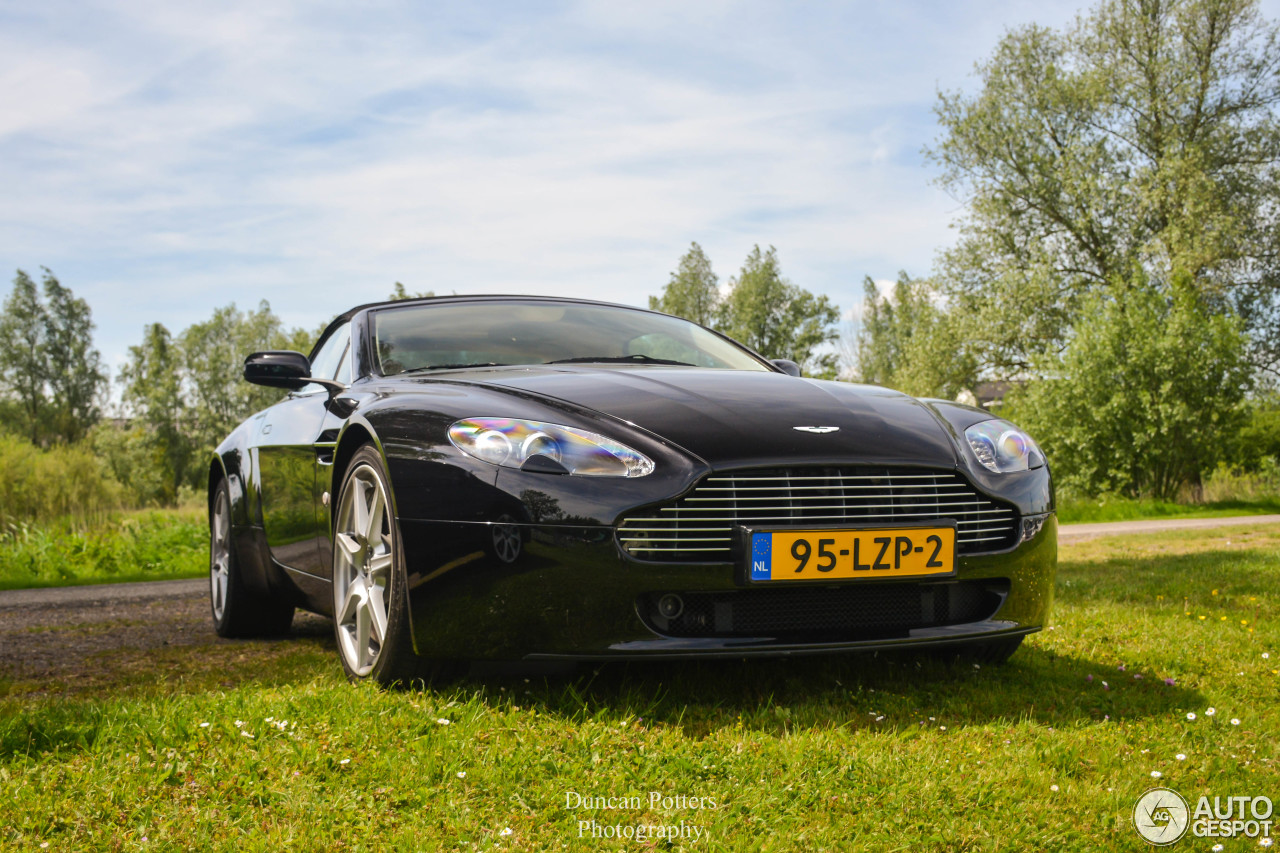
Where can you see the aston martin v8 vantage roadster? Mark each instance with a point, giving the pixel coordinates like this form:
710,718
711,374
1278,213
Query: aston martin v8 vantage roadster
522,478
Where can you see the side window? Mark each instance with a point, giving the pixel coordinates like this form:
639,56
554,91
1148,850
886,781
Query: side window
325,364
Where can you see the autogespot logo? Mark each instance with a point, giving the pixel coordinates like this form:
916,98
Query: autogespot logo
1161,816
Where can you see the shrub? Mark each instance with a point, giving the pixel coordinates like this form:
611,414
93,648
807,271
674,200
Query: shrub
61,482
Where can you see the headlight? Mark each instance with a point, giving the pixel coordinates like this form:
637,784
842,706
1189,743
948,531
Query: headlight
1002,448
512,443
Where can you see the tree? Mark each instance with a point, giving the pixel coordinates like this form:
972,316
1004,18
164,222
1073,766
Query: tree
909,342
777,318
400,293
213,354
47,360
1146,396
1139,144
75,377
693,291
23,369
152,391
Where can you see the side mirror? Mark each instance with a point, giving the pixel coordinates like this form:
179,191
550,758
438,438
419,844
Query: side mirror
284,369
787,366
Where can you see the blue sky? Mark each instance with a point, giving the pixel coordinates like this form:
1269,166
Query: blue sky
166,158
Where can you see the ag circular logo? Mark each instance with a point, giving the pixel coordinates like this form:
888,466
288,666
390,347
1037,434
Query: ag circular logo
1161,816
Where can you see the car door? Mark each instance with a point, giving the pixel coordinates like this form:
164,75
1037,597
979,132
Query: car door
289,441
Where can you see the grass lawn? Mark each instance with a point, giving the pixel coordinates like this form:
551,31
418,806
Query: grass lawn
1163,659
143,545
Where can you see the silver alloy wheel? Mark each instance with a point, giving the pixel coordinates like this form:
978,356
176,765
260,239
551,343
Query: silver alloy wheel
362,561
220,554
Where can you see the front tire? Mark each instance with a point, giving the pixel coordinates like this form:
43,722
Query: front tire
237,611
370,599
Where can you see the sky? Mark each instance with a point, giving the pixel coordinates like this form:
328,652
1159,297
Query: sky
165,159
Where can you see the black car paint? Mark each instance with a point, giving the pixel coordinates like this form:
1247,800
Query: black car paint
572,592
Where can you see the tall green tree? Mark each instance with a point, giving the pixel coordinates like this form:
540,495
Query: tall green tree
1139,144
48,365
151,383
779,319
24,371
76,377
693,291
400,293
213,354
909,342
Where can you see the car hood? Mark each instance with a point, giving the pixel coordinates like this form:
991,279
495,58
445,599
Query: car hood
731,418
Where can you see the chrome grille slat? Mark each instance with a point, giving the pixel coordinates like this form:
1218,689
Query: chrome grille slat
795,497
801,478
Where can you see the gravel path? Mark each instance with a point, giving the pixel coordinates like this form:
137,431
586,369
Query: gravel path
62,634
1081,532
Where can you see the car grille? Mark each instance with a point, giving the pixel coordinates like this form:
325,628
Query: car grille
700,526
828,613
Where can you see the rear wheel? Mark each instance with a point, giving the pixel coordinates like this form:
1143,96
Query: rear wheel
370,596
237,611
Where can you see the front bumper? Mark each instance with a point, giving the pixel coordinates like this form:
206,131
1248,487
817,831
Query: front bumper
513,591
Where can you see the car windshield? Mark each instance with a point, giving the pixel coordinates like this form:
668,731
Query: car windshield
454,335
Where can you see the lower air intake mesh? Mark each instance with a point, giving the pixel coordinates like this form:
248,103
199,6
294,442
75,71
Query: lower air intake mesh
817,614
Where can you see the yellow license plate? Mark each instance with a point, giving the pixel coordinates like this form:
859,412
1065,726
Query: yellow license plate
800,555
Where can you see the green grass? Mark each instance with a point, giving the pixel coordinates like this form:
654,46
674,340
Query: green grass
263,746
1112,508
135,546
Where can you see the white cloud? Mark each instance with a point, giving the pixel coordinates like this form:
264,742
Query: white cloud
167,158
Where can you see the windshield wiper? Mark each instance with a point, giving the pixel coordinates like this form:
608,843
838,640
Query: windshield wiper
620,359
455,366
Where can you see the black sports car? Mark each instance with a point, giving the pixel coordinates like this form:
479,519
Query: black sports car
466,478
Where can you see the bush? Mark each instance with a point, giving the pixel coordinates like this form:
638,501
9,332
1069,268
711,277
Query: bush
62,482
1144,399
1231,484
135,462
